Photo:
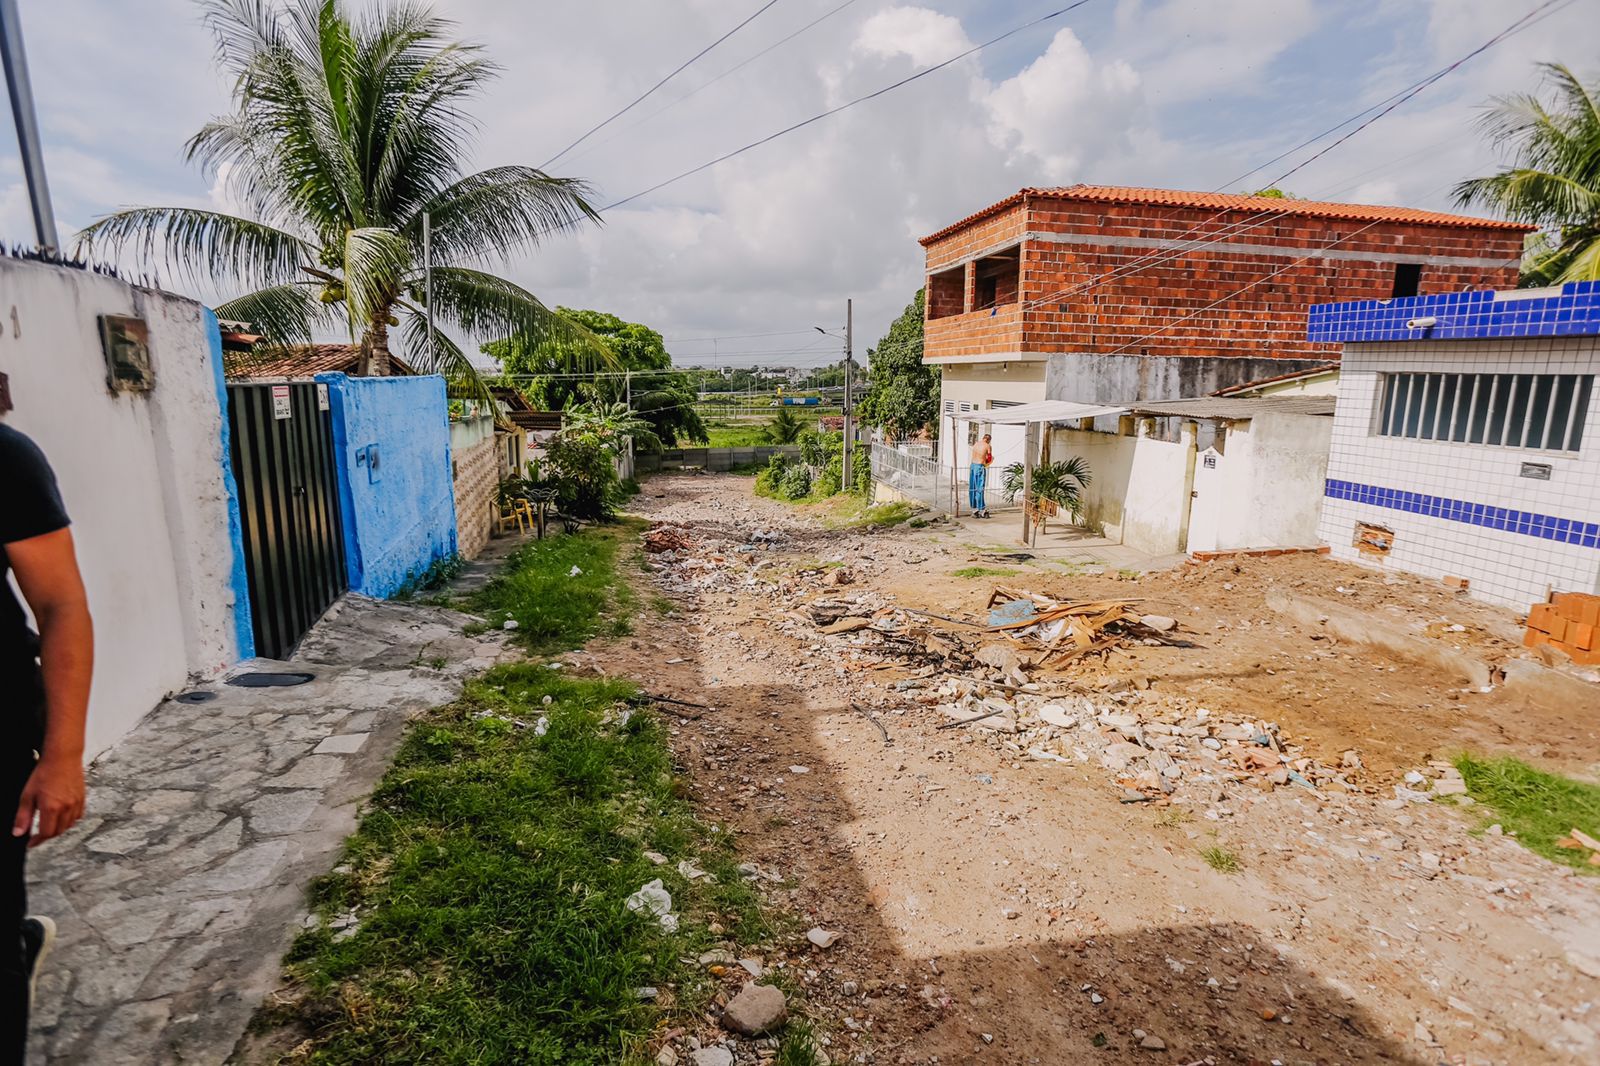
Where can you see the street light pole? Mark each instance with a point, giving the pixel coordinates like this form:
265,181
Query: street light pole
27,122
849,336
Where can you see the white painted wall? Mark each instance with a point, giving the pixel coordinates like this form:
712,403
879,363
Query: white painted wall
1270,481
979,384
1504,567
141,475
1274,469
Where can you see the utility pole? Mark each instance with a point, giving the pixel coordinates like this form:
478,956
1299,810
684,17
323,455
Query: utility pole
427,282
27,122
849,337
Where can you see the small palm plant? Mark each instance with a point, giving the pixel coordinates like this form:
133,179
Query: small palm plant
1554,181
346,132
784,428
1060,483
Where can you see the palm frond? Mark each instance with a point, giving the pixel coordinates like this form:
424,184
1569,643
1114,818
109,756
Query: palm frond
444,357
199,243
502,209
376,261
490,308
283,314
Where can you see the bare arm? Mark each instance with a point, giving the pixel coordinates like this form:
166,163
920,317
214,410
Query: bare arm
46,568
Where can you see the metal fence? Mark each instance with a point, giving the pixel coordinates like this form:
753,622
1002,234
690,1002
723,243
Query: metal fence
713,459
919,477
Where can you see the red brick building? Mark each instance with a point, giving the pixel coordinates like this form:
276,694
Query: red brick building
1103,293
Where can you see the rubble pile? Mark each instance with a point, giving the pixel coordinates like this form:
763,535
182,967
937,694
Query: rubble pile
1153,745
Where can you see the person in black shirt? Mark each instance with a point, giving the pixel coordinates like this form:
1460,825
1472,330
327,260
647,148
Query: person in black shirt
44,699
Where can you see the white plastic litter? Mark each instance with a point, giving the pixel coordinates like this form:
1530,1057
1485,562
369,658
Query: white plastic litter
541,727
689,871
574,572
653,898
511,623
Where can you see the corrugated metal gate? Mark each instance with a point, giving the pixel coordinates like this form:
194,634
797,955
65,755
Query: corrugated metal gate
283,460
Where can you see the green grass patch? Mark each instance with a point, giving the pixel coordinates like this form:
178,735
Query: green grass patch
985,571
489,877
1540,808
849,511
1221,860
554,608
736,435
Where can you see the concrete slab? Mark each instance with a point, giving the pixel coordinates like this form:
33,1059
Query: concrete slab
1060,542
180,891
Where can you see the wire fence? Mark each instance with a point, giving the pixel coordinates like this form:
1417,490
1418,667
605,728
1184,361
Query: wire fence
919,477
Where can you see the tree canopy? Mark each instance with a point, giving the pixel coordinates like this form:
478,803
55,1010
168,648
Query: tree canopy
662,396
902,393
1554,179
347,129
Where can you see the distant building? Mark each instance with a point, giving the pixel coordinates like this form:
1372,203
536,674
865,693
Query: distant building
1110,295
1466,441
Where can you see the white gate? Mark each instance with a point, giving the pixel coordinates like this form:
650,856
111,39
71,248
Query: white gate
1205,504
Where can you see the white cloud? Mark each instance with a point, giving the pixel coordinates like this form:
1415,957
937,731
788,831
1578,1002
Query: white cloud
927,37
1064,108
1183,93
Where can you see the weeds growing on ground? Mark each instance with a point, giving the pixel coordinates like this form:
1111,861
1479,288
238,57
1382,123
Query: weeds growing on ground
1539,808
439,573
1221,860
556,609
489,879
985,571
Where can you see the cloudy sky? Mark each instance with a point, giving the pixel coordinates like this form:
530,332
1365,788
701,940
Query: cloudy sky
1178,93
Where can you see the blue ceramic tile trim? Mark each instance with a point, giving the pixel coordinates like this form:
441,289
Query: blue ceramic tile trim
1572,312
1546,527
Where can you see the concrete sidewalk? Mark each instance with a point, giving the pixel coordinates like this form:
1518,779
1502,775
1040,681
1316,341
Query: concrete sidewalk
181,889
1061,542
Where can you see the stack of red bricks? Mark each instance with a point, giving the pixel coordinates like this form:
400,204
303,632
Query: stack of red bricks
1569,623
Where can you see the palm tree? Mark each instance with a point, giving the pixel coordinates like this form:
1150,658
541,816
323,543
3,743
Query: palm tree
346,132
1554,181
784,428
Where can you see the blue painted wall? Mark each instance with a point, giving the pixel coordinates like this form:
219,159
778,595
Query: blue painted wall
244,631
399,514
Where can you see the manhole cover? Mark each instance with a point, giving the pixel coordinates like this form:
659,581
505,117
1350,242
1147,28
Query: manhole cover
270,680
194,697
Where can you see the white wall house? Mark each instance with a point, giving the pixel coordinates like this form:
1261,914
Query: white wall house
144,475
1258,485
1467,438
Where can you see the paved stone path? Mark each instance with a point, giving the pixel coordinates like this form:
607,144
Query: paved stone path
181,889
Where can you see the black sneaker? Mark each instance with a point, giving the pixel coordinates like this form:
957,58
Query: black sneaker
38,934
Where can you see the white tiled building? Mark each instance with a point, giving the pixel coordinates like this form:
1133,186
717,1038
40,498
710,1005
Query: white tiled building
1466,441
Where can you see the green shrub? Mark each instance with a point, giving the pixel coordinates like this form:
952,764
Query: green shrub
769,480
796,483
586,481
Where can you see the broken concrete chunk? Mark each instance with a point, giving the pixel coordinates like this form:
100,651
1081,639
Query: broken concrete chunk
822,938
757,1009
1159,622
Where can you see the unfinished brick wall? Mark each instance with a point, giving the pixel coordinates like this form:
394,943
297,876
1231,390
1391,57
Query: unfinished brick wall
477,477
1106,278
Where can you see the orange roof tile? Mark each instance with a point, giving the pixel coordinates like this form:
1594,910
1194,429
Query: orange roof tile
300,361
1218,201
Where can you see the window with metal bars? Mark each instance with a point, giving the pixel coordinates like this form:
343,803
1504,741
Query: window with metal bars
1539,411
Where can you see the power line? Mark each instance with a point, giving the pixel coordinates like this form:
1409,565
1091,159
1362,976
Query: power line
849,104
679,70
1155,256
706,85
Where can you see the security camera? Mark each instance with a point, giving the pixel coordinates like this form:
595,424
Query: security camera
1422,323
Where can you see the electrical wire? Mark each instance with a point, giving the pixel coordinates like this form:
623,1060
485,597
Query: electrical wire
645,95
848,104
706,85
1537,14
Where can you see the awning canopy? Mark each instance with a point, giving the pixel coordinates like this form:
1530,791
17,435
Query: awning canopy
1042,411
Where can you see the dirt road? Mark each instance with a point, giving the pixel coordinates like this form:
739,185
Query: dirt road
1001,908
